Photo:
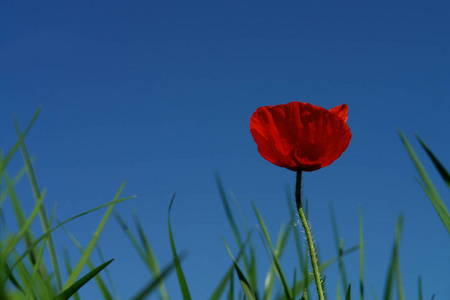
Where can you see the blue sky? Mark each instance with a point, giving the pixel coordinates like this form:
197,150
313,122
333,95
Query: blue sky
160,93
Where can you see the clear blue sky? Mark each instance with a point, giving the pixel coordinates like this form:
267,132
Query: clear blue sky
160,93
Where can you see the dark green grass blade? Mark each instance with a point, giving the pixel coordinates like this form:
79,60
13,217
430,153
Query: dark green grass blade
228,213
246,287
66,258
222,284
272,253
400,293
154,283
108,277
216,295
8,275
151,258
230,217
100,283
38,240
152,261
348,295
230,295
252,269
392,265
361,256
442,171
181,279
74,287
431,191
251,265
338,288
145,252
420,292
339,247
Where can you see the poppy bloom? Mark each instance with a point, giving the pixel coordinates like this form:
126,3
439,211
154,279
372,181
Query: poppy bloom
300,136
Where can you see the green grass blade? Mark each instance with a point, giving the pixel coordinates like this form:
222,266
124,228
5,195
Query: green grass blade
348,295
392,265
339,247
19,142
35,242
154,283
420,292
308,278
108,275
25,227
216,295
152,261
8,275
74,287
272,253
252,271
181,279
84,258
228,213
147,254
304,295
37,193
35,272
442,171
280,246
374,294
230,218
293,220
20,174
66,258
432,193
20,218
246,287
400,293
361,256
100,283
230,295
294,292
218,291
338,288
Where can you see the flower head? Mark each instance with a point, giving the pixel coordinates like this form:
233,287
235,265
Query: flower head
300,136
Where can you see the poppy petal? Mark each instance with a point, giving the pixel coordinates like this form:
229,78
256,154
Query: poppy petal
300,136
341,111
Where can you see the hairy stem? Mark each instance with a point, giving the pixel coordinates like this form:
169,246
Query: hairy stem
312,250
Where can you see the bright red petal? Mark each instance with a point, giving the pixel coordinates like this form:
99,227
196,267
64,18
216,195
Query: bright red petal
300,136
341,111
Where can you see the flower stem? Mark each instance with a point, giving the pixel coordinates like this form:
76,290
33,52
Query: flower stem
312,250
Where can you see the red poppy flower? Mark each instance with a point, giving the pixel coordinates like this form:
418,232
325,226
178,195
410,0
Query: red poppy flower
300,136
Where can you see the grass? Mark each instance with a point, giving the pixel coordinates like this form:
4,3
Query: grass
25,273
